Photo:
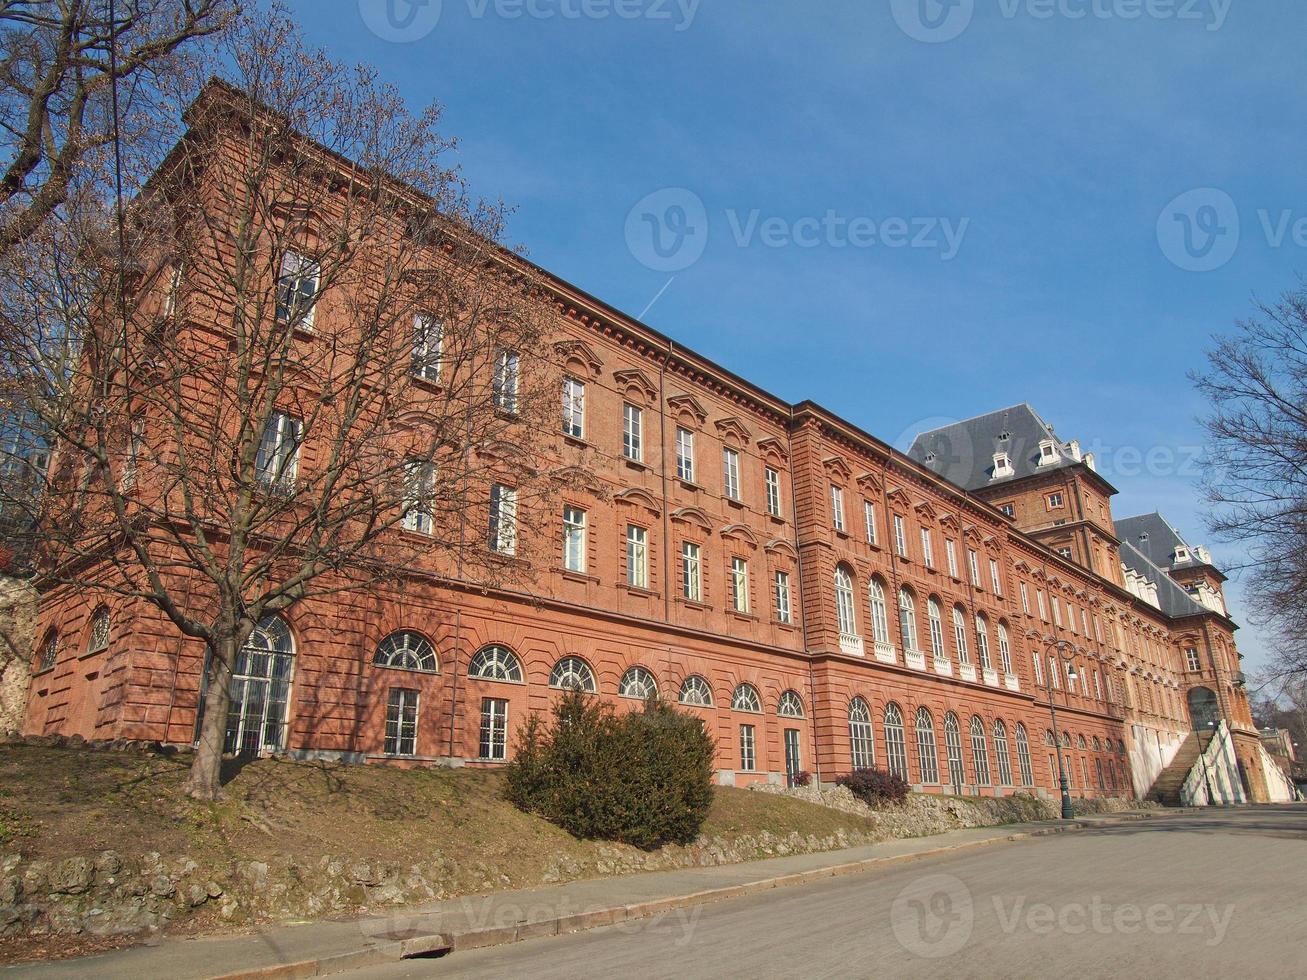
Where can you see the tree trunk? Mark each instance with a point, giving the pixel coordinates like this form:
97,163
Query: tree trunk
205,781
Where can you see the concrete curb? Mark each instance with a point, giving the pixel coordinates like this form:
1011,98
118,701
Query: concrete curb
436,944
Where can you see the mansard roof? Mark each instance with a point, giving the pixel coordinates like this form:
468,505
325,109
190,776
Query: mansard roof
1157,538
1171,598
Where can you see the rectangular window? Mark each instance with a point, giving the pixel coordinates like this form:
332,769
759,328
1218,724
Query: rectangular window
419,488
927,548
573,408
973,566
494,728
685,455
740,585
428,338
773,480
637,556
277,460
951,553
503,519
748,757
1009,510
574,539
691,572
731,473
900,536
632,436
1084,621
1054,500
793,763
504,384
782,583
1025,597
1098,630
994,577
1057,610
1039,669
1043,608
837,508
401,722
869,518
1191,659
297,290
1098,686
1065,553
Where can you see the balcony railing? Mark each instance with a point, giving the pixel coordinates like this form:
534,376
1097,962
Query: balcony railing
944,666
851,644
914,659
885,652
1011,682
967,672
990,676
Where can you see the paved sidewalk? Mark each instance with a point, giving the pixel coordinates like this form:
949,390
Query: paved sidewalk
469,922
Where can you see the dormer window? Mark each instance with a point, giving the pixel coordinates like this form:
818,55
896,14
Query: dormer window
1002,465
1047,452
1181,554
930,457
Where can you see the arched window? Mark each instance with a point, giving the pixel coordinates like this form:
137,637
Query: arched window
927,752
982,643
895,746
406,650
1049,739
936,629
1001,754
638,683
879,620
572,674
1107,744
696,691
746,698
1066,740
960,635
907,619
48,653
790,705
1023,757
1080,743
1098,744
99,638
953,749
861,737
1004,650
496,663
844,605
260,689
979,752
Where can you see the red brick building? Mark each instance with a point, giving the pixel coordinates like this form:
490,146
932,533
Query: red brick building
820,599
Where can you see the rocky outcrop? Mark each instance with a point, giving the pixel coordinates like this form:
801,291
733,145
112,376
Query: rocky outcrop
17,616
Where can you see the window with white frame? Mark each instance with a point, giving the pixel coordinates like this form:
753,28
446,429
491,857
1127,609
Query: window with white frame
953,749
879,617
496,663
297,290
951,554
748,749
572,674
1025,596
277,461
936,629
574,534
960,635
503,519
1065,552
695,691
837,507
419,494
790,705
638,683
927,751
1054,674
739,584
731,473
907,619
494,729
979,752
685,455
1023,757
691,572
1008,510
1057,609
401,722
1084,621
637,556
927,548
869,519
406,650
781,584
1004,650
895,745
1191,659
1047,452
995,579
1001,755
632,432
573,408
973,566
504,385
862,740
900,536
773,480
1054,501
982,643
1071,616
428,339
1098,686
1043,608
1039,669
745,698
844,606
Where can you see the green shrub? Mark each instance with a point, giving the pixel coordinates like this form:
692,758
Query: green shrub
643,778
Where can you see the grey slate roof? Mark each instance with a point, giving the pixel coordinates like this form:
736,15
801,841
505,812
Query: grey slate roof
1153,535
1173,600
963,452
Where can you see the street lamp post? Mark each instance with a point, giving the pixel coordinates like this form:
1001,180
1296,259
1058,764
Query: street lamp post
1066,651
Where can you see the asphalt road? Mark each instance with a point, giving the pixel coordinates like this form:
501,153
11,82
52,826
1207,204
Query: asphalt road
1221,894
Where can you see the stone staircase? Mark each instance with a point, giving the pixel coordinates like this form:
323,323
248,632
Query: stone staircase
1166,789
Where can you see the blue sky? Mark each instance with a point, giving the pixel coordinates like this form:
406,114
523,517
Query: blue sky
1052,145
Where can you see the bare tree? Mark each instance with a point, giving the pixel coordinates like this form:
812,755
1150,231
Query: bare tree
1256,382
307,369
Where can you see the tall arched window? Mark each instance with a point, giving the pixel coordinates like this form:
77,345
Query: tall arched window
790,705
1001,754
99,638
979,752
696,691
260,689
953,748
496,663
746,698
48,654
907,619
637,683
895,746
406,650
862,740
982,642
927,752
572,674
960,635
1004,650
1023,757
844,604
879,619
936,629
